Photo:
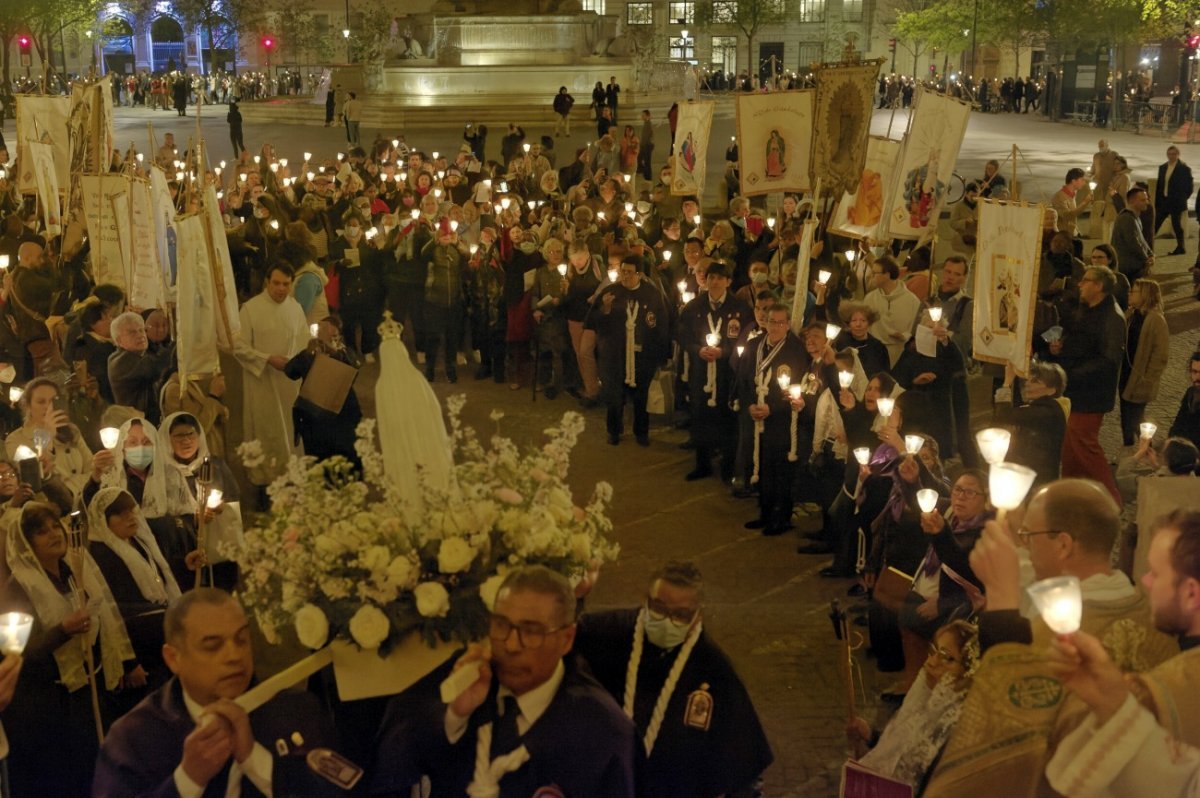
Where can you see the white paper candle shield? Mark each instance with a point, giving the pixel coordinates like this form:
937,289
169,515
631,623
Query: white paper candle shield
846,379
927,499
1148,428
832,331
993,444
1008,483
886,405
823,276
1060,602
863,455
109,437
935,315
14,632
913,443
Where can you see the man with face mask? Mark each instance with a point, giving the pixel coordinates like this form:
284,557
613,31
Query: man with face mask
361,290
697,727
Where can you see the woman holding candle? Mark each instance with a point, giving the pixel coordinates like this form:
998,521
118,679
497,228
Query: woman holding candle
129,464
856,335
928,379
65,455
1147,341
51,723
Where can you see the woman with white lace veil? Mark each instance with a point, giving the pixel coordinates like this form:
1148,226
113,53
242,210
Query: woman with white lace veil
131,465
50,724
912,740
180,451
137,574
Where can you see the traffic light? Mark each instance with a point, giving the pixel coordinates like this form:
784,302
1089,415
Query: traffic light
268,43
1193,41
892,45
25,43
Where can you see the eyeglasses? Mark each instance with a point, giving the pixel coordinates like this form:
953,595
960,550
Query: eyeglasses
184,436
679,617
945,656
1025,534
778,322
966,493
530,634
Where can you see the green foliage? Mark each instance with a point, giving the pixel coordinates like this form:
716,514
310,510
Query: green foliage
747,16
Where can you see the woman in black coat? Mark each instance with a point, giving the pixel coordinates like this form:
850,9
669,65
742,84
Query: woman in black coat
1038,426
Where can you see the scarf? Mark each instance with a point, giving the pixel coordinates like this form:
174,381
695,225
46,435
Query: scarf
154,493
631,313
179,497
153,576
915,736
51,607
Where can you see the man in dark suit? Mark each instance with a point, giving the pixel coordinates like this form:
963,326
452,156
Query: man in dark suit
1172,195
529,725
189,739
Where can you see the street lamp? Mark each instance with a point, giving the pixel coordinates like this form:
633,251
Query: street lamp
92,46
346,36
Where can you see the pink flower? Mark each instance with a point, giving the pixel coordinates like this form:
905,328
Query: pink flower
509,496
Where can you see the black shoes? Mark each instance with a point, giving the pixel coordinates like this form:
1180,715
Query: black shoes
830,572
482,373
856,590
613,440
814,548
550,392
1178,251
698,473
744,493
757,523
776,529
643,440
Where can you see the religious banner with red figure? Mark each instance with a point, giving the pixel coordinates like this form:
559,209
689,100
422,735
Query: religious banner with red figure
860,211
1008,254
691,148
926,164
775,134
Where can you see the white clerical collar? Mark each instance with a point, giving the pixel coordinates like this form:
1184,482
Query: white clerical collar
534,703
193,707
1112,586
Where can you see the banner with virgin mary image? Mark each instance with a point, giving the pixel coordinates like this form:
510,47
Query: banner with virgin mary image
43,119
844,102
1007,257
775,141
859,212
691,148
926,164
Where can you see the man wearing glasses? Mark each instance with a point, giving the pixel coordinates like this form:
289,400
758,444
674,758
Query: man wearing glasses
530,724
1008,726
695,723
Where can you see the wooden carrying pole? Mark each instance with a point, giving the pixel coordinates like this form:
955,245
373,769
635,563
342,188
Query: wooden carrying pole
75,560
847,665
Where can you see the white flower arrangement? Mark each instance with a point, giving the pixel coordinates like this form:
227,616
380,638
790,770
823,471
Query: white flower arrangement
342,556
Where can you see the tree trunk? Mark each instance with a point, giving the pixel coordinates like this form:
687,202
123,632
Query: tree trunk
212,47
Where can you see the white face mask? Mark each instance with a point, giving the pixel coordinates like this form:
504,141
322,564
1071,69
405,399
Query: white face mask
353,232
758,278
663,633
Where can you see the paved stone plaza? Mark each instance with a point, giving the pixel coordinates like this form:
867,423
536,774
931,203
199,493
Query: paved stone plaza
765,605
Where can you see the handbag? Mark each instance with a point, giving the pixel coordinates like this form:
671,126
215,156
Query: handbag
892,587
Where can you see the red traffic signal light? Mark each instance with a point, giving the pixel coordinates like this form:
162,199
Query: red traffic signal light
23,41
1193,41
268,42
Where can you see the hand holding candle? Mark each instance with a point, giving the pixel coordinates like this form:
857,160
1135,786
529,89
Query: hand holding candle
993,444
14,632
1008,483
927,499
1060,602
1148,428
109,437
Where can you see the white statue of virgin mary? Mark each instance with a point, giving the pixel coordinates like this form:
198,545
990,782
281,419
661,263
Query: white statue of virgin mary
412,433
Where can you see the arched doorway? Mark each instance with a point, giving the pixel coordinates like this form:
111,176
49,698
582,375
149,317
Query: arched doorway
116,38
219,52
166,38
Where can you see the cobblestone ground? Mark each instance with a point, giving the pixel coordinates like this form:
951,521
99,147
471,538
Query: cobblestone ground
766,605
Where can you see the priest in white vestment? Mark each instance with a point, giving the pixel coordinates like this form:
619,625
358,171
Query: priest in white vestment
273,331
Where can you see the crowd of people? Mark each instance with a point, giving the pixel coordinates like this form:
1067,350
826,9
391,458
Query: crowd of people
576,273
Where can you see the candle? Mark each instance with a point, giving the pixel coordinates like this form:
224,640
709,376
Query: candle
274,167
696,220
283,162
1008,483
741,350
927,499
832,331
1060,602
214,499
712,339
15,393
771,223
24,452
259,160
435,155
274,224
784,379
14,632
3,262
628,207
626,176
863,455
505,202
687,297
222,164
823,276
562,269
850,255
242,177
1092,185
453,226
313,328
416,214
846,379
441,174
341,157
1148,429
140,158
437,193
311,175
531,204
307,157
474,248
372,232
523,146
666,255
600,215
682,286
396,142
612,275
109,437
913,443
993,444
885,405
795,391
179,176
935,315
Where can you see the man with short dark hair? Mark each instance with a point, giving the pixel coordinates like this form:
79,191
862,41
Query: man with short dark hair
1187,420
646,148
612,93
1065,205
707,740
1171,195
273,332
531,724
1090,351
563,102
189,738
1134,255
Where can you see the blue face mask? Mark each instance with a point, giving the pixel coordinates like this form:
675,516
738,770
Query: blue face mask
663,633
139,456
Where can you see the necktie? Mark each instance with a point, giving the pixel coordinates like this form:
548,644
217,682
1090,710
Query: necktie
505,737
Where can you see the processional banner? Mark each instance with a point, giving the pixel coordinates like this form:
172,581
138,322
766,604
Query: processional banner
41,164
196,302
775,141
43,119
89,129
926,164
859,212
105,207
844,103
1006,273
163,210
228,321
691,148
147,278
803,266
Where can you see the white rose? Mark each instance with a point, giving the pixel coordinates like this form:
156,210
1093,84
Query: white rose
432,600
375,558
489,589
401,573
581,547
312,627
455,555
369,627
